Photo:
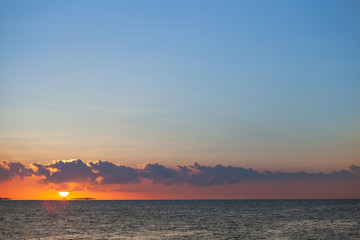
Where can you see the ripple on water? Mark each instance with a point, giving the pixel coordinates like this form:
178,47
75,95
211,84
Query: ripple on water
215,219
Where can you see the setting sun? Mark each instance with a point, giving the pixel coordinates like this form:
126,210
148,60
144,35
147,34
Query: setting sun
63,194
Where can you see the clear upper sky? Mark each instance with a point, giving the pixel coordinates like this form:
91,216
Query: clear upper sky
263,84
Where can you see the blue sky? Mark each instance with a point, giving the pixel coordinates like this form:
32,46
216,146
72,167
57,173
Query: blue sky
264,84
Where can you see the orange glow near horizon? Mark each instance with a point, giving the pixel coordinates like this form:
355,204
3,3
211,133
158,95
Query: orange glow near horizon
31,189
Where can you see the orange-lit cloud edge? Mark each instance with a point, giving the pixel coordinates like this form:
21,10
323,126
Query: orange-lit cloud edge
109,181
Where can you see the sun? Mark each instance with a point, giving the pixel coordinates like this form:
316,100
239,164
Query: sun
63,194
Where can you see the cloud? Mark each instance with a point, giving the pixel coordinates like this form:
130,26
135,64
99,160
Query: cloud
9,170
200,175
66,171
113,174
355,169
219,175
103,172
100,172
160,174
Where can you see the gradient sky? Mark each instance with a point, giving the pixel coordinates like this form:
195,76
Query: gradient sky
271,85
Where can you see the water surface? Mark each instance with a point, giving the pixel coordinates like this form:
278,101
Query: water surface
178,219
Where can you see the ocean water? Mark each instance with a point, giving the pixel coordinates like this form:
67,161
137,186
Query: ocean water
178,219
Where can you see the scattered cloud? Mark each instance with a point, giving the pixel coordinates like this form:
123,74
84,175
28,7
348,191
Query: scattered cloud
355,169
65,171
111,173
10,170
103,172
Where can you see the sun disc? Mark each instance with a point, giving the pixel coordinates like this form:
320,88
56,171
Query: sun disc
63,194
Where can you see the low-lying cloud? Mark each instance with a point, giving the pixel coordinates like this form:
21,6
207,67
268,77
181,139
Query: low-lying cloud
10,170
103,172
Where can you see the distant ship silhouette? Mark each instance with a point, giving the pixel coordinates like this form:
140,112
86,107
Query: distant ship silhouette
86,199
4,198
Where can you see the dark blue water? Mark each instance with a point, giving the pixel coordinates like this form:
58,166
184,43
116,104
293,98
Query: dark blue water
198,219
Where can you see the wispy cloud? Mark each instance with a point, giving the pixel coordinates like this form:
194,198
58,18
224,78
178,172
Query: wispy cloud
103,172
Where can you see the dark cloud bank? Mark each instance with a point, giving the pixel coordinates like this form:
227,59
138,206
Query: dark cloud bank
103,172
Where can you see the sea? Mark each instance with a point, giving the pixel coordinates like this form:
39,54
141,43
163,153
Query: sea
180,219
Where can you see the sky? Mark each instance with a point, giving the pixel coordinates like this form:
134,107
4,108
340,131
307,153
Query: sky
271,86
